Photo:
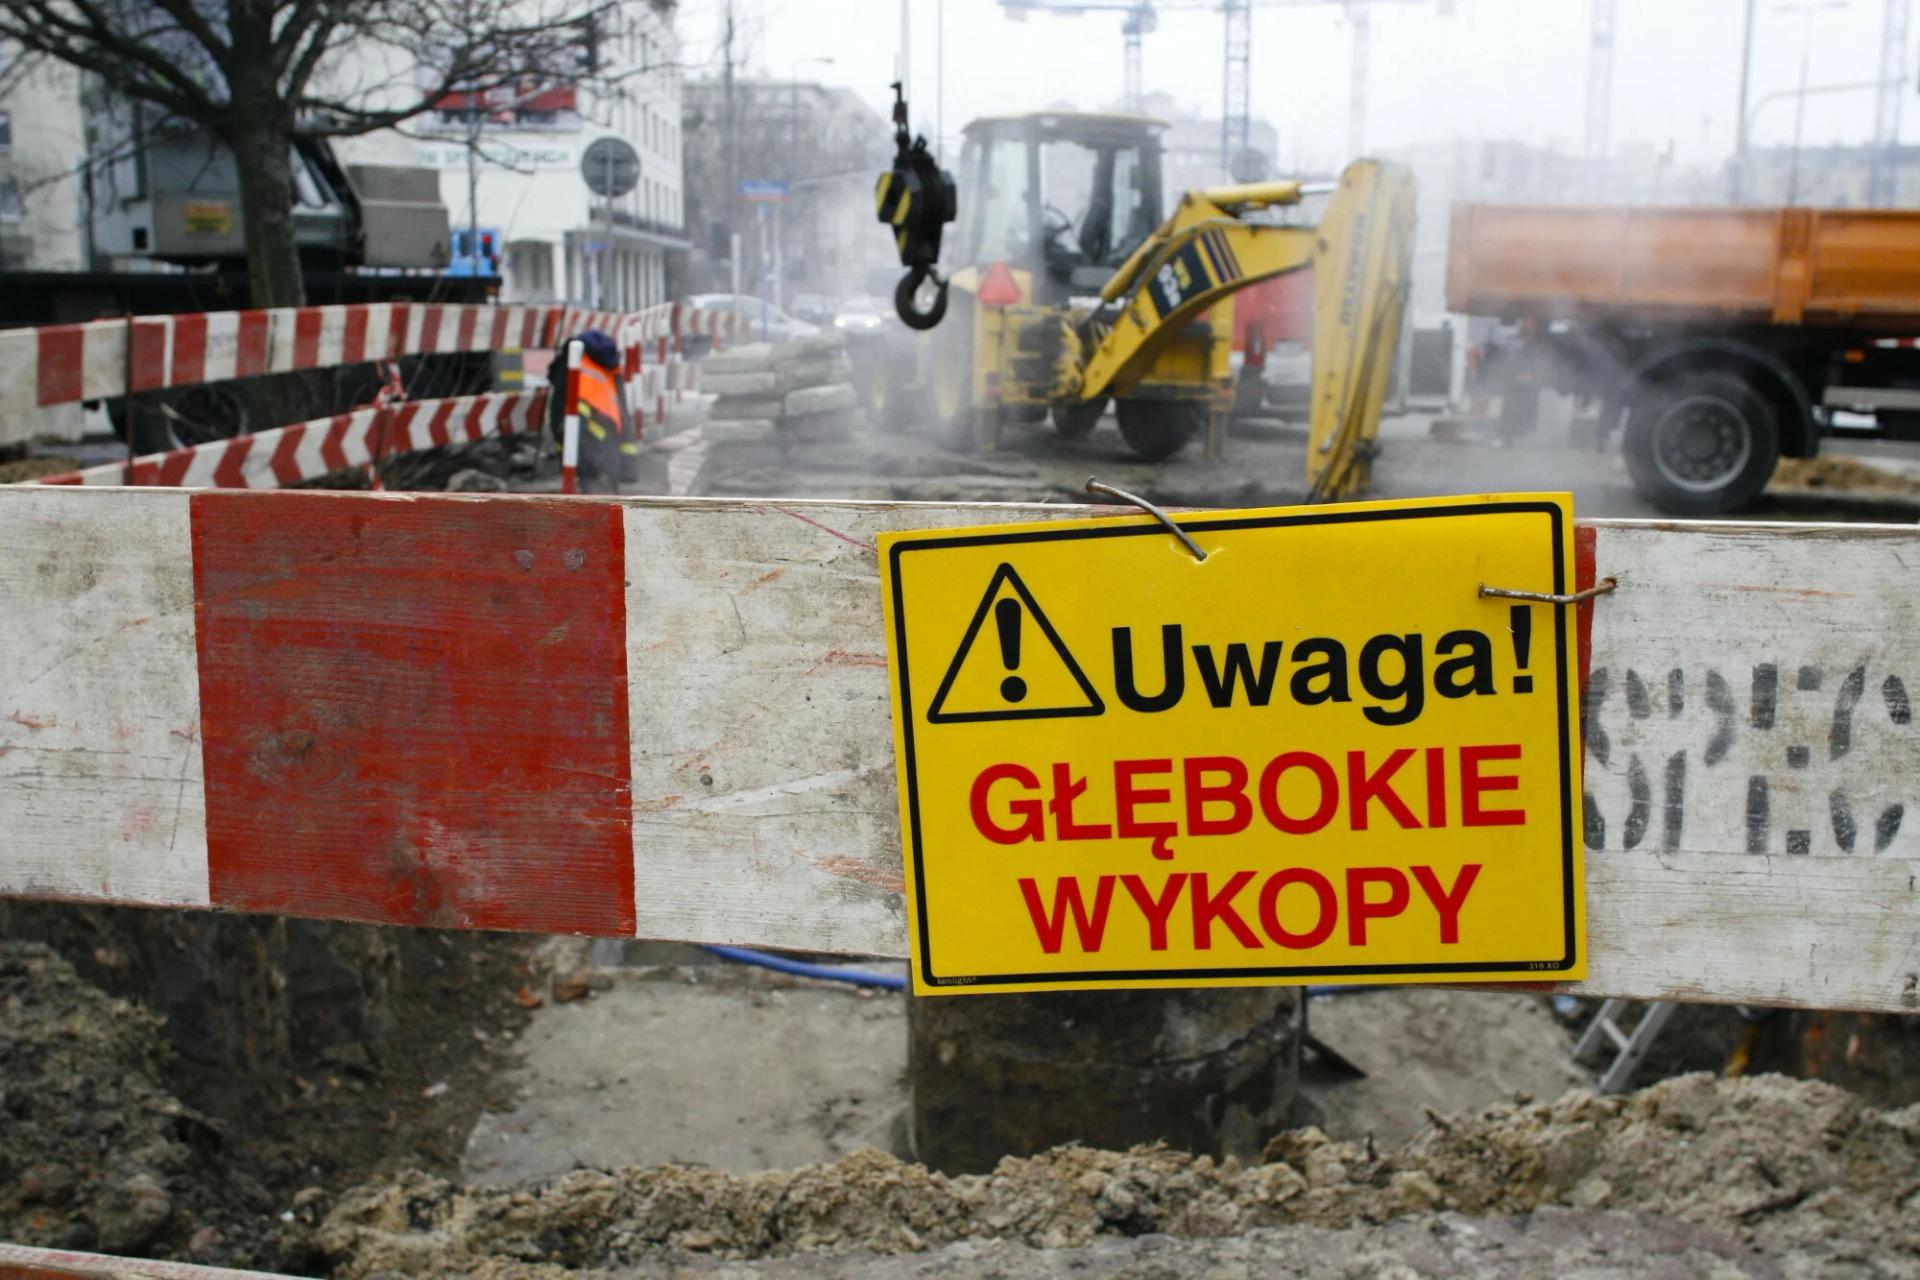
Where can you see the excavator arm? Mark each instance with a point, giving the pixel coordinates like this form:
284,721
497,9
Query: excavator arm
1362,255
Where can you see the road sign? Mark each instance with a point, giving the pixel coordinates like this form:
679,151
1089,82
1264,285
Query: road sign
762,190
611,167
1319,755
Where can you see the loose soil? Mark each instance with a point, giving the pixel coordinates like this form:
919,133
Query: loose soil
124,1131
1798,1172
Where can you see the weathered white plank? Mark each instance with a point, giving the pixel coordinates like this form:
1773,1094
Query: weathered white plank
100,791
760,745
1749,690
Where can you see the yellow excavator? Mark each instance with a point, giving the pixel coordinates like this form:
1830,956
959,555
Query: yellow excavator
1057,313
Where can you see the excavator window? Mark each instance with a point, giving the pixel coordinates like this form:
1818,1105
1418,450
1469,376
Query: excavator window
1068,194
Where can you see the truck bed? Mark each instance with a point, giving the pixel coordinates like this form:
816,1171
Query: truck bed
1855,268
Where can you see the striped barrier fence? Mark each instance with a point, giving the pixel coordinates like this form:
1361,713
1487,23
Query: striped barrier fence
286,456
670,719
74,362
55,365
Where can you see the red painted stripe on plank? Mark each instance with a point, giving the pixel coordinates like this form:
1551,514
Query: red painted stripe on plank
227,473
497,329
415,712
469,317
353,342
285,463
147,355
399,437
250,344
476,425
399,321
1584,545
306,338
62,352
437,425
173,467
1583,577
429,329
332,448
189,367
144,471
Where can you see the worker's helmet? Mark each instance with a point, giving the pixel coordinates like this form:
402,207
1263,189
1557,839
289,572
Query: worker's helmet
600,348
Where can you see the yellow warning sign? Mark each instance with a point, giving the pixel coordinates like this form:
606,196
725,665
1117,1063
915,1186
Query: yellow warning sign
1319,755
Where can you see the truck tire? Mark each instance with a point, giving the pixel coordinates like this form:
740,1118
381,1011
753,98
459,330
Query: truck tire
1157,429
1071,421
1701,442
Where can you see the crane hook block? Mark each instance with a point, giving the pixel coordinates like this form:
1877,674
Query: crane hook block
916,198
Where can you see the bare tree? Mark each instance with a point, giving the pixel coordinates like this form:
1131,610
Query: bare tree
258,74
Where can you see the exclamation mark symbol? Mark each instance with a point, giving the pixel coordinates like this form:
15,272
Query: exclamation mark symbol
1006,616
1522,628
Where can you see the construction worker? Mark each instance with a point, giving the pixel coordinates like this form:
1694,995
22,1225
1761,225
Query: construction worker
605,446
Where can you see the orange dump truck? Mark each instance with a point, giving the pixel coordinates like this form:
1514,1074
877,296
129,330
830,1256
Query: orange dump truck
1715,339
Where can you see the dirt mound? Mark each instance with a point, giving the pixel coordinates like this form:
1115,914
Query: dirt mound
95,1153
1836,471
19,470
1778,1165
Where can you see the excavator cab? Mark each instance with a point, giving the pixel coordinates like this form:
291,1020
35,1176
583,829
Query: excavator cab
1065,196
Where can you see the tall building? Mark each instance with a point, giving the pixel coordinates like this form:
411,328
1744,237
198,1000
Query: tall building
826,144
510,165
43,148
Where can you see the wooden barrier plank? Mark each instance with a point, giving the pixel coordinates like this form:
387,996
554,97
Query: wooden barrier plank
100,775
23,1262
1751,756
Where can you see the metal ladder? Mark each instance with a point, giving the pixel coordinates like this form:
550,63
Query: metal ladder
1630,1046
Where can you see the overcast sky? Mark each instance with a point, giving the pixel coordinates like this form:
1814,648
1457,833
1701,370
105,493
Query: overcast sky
1490,69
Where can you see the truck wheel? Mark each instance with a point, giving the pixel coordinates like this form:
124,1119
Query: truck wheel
1075,419
1701,443
1157,429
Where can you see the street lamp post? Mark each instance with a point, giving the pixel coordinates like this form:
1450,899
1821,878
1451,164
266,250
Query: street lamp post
1806,8
1740,118
793,167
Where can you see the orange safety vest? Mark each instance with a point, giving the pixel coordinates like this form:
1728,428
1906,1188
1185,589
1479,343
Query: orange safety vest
597,400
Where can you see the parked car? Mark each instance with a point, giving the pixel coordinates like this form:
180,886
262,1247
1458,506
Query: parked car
862,315
766,322
814,308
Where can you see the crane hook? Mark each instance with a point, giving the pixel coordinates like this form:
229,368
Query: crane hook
907,293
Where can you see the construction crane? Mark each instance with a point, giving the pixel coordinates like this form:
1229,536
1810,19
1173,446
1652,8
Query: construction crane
1236,77
1883,159
1139,19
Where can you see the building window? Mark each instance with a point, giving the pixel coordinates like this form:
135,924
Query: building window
9,200
6,132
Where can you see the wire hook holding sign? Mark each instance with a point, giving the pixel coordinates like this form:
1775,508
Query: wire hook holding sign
1096,486
1603,587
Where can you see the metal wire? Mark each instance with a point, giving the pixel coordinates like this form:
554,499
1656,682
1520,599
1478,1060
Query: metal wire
1603,587
1095,486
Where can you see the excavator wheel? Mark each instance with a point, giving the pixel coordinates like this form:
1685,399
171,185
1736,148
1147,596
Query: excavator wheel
949,395
1071,421
1157,429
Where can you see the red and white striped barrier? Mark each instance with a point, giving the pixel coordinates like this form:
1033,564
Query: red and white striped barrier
178,351
287,456
54,365
671,720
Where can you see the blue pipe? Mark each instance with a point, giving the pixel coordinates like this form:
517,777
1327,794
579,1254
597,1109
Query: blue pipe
800,968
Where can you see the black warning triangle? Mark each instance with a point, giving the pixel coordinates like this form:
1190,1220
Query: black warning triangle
996,675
